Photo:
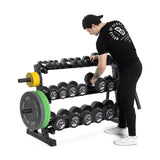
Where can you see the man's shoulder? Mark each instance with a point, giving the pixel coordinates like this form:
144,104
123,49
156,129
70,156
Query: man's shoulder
115,22
108,25
112,23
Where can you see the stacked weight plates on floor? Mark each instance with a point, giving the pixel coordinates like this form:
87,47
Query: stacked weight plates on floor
35,110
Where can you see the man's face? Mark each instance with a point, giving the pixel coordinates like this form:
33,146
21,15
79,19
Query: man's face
93,30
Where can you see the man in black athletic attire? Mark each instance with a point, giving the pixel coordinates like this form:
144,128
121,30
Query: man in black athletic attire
113,38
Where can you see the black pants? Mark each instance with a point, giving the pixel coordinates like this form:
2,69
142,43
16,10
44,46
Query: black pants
126,94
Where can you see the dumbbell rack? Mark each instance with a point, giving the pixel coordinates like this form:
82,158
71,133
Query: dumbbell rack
44,134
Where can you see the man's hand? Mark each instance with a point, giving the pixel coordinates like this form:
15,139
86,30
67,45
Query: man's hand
93,81
93,58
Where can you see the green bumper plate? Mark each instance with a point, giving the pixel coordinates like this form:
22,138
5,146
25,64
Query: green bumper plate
47,112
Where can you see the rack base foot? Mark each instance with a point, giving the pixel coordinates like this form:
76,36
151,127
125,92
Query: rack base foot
41,137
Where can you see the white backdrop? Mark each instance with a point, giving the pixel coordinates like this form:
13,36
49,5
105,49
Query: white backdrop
36,30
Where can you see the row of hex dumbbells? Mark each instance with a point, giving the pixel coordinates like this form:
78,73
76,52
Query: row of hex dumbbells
85,115
72,89
67,63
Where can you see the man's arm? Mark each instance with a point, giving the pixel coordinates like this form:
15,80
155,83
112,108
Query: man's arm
102,62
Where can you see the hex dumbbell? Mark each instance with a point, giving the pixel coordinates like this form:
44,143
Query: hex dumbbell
109,111
52,120
53,93
51,65
80,62
95,62
69,63
75,119
54,65
66,114
110,85
72,88
43,66
62,90
73,62
66,90
64,63
86,114
100,84
86,60
97,111
59,122
45,90
66,118
59,65
81,89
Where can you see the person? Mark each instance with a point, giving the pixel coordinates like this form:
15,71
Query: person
114,39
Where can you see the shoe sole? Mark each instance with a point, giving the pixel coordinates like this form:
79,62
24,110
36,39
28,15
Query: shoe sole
124,144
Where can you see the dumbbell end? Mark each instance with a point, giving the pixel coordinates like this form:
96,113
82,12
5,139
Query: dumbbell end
24,80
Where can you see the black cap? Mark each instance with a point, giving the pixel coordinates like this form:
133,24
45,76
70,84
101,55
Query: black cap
91,19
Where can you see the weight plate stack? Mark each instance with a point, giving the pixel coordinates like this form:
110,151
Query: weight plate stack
35,110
